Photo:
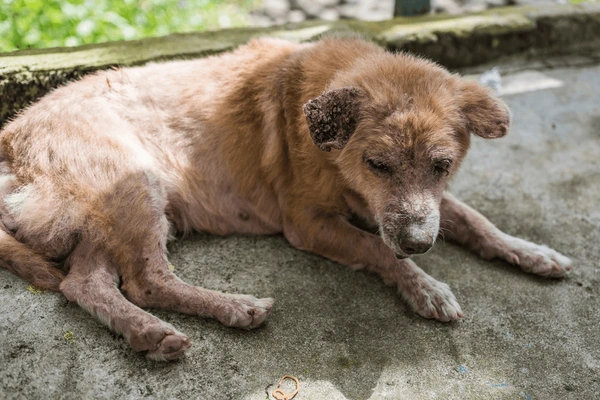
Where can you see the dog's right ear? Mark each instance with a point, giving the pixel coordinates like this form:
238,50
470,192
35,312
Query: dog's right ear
332,117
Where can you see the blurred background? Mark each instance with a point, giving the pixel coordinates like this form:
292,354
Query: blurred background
50,23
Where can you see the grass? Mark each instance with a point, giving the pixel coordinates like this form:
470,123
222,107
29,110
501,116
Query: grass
51,23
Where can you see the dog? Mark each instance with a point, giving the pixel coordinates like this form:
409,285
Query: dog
341,146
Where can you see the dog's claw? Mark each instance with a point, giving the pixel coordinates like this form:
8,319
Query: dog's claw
170,347
434,300
244,311
161,341
537,259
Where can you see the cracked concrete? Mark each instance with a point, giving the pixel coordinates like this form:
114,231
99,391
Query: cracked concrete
344,334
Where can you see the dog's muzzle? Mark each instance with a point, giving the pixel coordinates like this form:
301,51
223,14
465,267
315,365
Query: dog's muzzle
411,237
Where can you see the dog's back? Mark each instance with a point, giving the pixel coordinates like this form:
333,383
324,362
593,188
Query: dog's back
85,162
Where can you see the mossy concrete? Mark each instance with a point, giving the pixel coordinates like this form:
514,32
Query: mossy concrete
27,75
453,41
402,34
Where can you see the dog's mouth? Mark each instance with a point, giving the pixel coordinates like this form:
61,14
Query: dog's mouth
400,255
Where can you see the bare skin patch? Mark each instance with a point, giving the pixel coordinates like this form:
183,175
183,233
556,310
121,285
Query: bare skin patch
332,117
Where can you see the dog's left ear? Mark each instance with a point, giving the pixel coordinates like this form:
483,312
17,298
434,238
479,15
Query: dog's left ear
332,117
485,115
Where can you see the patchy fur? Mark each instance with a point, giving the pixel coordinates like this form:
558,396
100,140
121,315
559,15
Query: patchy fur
332,117
97,175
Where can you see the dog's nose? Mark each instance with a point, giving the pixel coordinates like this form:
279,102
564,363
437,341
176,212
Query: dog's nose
415,247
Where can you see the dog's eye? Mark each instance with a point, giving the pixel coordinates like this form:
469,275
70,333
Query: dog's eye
443,166
378,166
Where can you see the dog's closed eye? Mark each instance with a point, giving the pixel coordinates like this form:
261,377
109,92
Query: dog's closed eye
378,166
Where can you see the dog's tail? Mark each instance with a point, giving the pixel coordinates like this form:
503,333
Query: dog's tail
18,258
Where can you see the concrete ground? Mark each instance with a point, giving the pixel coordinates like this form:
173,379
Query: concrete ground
344,334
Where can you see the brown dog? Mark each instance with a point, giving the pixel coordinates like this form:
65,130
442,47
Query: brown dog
274,137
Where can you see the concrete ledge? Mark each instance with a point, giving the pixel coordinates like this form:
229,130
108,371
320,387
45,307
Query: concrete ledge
454,41
425,32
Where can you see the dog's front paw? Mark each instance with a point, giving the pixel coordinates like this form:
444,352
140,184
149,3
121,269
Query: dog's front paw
432,299
537,259
244,311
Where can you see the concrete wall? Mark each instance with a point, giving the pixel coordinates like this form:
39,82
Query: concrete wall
454,41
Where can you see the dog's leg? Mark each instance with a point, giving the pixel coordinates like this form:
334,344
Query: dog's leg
92,283
137,243
338,240
160,288
157,287
469,228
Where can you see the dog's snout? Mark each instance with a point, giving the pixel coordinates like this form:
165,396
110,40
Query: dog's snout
408,236
414,238
415,247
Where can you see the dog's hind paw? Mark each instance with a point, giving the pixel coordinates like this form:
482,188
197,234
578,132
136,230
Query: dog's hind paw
171,347
244,311
161,340
537,259
433,299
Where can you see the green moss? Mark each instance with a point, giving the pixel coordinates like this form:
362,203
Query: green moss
34,289
69,336
451,40
345,362
303,34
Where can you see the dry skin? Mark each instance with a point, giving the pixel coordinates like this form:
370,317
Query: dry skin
343,147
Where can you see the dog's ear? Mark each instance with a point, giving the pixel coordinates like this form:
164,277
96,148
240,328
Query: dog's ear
485,115
332,117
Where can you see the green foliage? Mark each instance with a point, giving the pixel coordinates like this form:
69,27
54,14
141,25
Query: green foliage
51,23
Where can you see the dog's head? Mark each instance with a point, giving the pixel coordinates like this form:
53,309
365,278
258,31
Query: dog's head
400,130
